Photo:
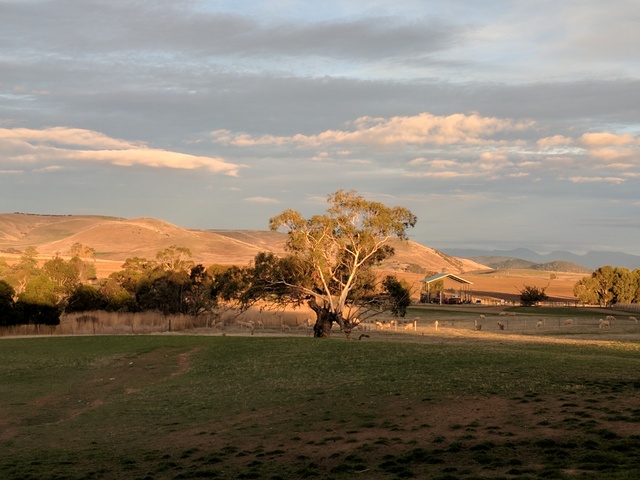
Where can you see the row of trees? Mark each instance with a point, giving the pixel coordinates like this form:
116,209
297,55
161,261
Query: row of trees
33,294
329,267
609,285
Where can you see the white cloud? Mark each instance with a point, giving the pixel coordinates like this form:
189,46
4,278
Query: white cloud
261,200
23,145
615,180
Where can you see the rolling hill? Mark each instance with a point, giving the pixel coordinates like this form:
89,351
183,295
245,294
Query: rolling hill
115,239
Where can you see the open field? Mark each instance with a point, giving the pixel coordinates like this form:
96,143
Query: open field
455,403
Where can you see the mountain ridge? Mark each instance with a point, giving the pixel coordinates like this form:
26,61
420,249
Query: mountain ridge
590,260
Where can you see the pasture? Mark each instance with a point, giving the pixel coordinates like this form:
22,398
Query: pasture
452,403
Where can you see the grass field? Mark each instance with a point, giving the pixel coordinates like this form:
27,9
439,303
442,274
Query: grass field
451,404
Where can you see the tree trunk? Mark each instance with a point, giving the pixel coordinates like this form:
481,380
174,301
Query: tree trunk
324,320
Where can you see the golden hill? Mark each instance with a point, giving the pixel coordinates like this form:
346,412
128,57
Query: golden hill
115,239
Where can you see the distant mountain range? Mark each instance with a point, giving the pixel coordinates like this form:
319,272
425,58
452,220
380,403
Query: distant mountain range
590,260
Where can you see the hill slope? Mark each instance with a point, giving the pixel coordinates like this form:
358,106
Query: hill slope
115,239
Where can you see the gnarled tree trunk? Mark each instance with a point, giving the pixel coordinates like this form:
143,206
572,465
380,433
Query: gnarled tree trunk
324,320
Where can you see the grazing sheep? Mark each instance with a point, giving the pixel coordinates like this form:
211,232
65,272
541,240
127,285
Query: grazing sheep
502,314
569,321
260,324
286,328
383,326
247,325
610,318
501,325
633,319
408,326
540,324
482,317
604,323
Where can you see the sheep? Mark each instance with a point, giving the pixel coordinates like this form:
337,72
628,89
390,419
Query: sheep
633,319
604,323
568,321
383,326
501,325
408,326
286,328
478,326
482,317
248,325
502,314
610,318
260,323
540,324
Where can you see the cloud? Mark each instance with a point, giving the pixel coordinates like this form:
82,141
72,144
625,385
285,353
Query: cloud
421,129
261,200
23,145
604,139
615,180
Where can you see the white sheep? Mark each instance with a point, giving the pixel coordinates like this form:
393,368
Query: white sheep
286,328
604,323
248,325
633,319
482,317
610,318
408,326
540,324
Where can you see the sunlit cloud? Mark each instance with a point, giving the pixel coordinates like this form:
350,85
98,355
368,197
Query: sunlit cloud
422,129
615,180
57,144
261,200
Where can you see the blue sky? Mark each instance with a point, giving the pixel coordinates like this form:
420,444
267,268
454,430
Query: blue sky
500,124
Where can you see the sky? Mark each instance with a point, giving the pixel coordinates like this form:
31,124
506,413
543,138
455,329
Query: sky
500,124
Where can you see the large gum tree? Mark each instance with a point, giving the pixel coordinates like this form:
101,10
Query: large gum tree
337,250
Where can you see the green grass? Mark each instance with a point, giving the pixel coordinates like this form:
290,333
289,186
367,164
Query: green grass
156,407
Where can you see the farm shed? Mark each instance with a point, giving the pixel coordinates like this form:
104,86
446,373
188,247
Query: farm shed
428,294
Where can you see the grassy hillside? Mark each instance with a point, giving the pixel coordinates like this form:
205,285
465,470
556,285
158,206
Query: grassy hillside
116,239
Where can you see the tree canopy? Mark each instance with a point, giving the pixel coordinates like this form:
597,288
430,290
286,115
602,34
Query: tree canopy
332,255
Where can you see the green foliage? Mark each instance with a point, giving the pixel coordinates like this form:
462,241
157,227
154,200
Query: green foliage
6,303
86,298
175,259
36,313
608,285
40,290
336,252
531,295
400,294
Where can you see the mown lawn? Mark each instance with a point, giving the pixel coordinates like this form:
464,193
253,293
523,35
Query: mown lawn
172,407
